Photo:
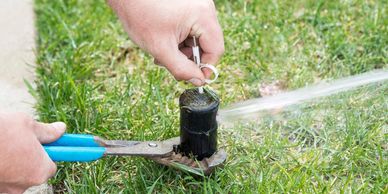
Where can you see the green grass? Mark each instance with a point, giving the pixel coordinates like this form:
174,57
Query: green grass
93,78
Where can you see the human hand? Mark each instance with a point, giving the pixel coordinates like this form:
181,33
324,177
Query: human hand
23,161
164,28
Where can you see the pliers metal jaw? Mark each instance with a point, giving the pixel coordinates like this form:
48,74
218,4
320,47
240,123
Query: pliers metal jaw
86,148
204,167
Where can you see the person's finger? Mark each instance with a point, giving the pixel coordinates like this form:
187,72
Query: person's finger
47,133
47,169
51,167
184,51
211,41
180,66
44,167
207,72
188,51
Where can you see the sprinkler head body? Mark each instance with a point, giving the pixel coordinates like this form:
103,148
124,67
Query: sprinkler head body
198,125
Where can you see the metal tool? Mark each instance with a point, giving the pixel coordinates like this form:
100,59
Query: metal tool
197,60
86,148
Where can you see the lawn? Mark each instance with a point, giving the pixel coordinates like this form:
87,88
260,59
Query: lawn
91,76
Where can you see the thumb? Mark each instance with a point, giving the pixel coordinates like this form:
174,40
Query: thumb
47,133
181,67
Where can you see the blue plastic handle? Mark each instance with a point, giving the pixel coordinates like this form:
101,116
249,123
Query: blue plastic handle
75,140
74,148
74,154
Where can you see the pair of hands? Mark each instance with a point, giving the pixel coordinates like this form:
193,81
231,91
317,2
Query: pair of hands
164,28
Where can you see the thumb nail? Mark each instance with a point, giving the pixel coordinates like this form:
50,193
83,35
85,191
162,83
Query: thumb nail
61,126
196,81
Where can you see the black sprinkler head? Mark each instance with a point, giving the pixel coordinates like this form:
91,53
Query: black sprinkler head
197,152
198,125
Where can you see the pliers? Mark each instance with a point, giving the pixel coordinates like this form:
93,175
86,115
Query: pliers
86,148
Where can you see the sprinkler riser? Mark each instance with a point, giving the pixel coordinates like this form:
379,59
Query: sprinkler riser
198,125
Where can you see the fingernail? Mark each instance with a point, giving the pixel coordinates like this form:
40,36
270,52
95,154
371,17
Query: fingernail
59,126
196,81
